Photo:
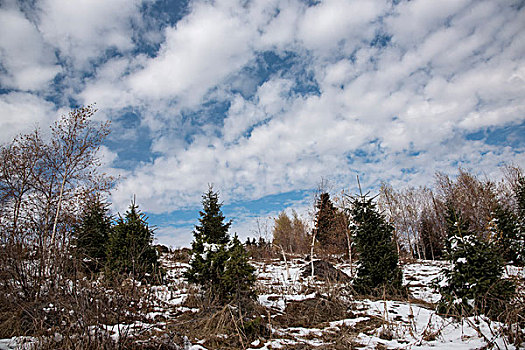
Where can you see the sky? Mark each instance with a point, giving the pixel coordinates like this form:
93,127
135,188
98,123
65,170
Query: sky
265,99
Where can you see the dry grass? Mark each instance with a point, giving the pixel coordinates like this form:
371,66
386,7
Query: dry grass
313,312
230,326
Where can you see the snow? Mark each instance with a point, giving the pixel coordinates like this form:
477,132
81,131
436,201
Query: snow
409,324
18,343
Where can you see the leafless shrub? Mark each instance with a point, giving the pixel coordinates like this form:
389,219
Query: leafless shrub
180,255
92,315
233,325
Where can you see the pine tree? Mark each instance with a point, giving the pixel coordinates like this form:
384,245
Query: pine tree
474,283
378,270
456,226
216,264
210,239
91,236
130,249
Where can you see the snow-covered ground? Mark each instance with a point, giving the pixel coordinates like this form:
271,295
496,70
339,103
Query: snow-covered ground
360,323
375,323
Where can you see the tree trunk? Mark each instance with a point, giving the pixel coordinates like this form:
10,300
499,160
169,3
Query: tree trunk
58,211
312,254
349,252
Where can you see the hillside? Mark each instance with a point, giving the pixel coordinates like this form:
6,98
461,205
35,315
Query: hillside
296,312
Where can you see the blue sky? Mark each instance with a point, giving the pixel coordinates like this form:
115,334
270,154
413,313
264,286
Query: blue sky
264,98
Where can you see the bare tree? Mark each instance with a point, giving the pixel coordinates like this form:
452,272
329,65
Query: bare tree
73,154
42,187
474,198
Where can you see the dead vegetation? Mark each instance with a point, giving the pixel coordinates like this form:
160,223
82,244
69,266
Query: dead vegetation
323,270
299,313
313,312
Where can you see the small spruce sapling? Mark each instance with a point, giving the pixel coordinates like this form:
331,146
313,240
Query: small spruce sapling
130,249
238,277
474,283
378,270
91,236
218,264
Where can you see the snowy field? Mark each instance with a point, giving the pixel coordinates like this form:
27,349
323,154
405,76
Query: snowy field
303,315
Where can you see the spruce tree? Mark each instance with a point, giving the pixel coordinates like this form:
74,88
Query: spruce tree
238,277
506,230
218,265
91,236
378,270
329,226
474,282
130,249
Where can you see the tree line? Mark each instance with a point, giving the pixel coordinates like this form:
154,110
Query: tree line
419,216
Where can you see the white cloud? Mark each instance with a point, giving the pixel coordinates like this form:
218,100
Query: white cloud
413,20
204,48
28,62
174,237
280,33
419,95
449,69
325,25
82,30
22,112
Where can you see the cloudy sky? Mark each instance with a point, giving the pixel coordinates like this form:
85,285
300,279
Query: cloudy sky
264,98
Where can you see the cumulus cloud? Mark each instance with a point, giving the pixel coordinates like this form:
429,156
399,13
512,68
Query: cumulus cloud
413,95
332,23
82,30
23,112
264,97
27,62
212,42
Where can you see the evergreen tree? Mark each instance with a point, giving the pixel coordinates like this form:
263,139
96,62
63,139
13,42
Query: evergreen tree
218,265
91,236
378,270
330,226
456,226
238,277
474,283
130,249
506,231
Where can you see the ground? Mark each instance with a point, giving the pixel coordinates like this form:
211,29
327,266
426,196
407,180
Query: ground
306,313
